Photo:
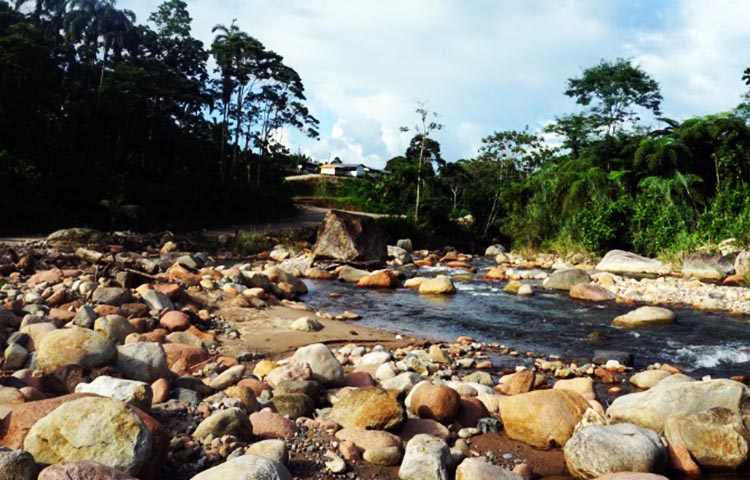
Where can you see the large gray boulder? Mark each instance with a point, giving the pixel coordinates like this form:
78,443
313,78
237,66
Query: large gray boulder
246,467
325,368
72,238
716,438
144,361
600,449
620,261
703,266
651,408
399,255
426,458
565,279
348,237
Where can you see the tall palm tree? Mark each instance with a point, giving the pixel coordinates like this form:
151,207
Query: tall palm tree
97,24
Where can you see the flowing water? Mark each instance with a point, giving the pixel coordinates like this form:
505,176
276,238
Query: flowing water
703,343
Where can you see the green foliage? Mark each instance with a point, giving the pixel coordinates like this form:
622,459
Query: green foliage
249,242
602,226
612,91
117,208
92,103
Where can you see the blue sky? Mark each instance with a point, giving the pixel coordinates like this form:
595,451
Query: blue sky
484,65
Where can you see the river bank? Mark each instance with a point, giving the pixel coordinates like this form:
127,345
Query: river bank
221,366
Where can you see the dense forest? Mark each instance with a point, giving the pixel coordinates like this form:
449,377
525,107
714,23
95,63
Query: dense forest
621,175
111,123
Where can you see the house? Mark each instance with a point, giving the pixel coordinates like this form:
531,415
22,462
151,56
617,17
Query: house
343,170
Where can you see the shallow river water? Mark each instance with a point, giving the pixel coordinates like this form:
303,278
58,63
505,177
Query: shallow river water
548,322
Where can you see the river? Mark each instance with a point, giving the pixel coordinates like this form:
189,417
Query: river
701,343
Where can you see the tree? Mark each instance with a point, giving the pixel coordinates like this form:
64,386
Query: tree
424,128
505,158
612,91
576,131
454,177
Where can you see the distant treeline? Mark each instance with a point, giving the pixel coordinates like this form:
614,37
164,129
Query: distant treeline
622,175
110,123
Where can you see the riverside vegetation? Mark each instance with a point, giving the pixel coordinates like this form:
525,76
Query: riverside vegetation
85,91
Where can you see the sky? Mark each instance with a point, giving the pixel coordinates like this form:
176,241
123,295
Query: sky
482,65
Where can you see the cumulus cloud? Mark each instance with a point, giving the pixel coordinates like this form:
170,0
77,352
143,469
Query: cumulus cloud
483,65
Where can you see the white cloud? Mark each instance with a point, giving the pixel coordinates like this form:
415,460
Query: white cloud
483,65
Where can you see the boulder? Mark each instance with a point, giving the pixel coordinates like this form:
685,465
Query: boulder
74,346
82,470
174,320
436,402
15,426
583,386
114,327
348,237
272,449
388,456
306,324
515,383
351,275
72,238
368,439
291,371
128,391
440,285
565,279
293,405
379,279
591,293
230,421
399,255
17,465
651,408
703,266
115,296
91,428
10,398
494,250
369,407
405,243
600,449
144,361
715,438
648,378
416,426
481,469
271,425
182,358
742,263
246,467
325,368
426,458
620,261
644,316
543,418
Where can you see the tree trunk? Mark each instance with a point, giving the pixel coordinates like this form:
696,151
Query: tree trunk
419,179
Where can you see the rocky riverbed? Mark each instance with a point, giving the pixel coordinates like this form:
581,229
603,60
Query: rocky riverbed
146,359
